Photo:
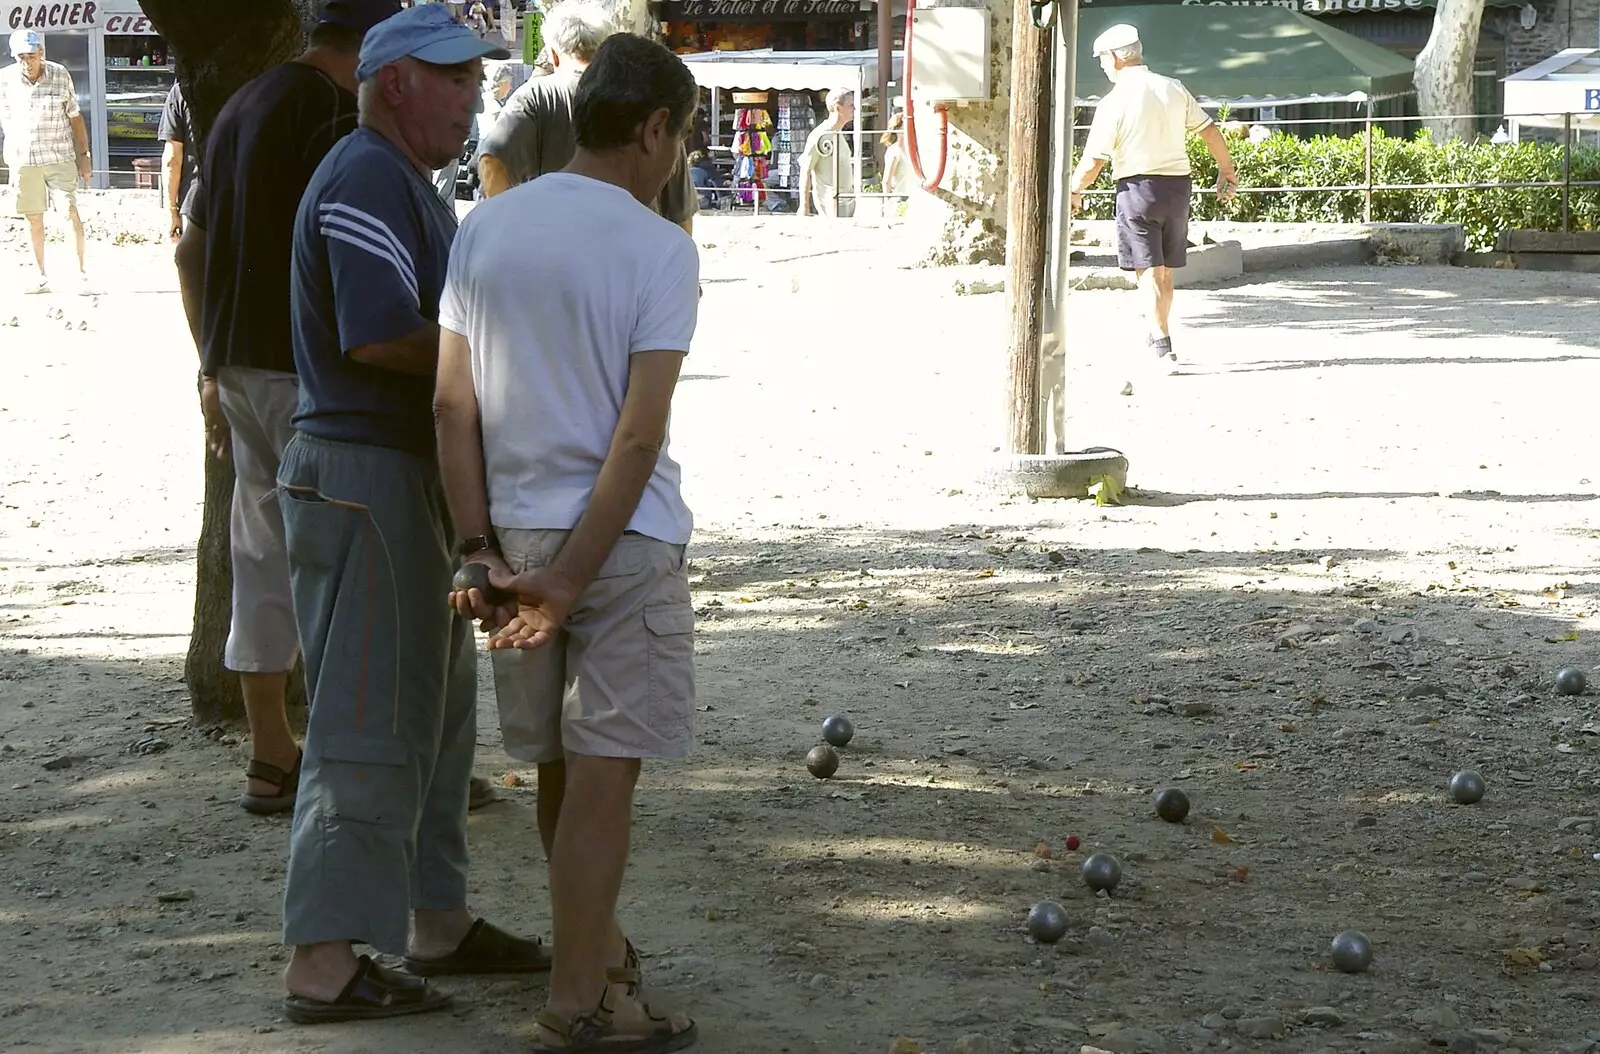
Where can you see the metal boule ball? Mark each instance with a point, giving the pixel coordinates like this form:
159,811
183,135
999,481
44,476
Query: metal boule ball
838,730
1351,952
1467,787
476,576
1102,871
1571,681
1047,922
471,576
822,762
1172,805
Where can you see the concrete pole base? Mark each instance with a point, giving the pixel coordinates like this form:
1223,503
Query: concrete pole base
1067,475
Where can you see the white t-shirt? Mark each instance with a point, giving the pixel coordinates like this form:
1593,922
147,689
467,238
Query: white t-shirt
1143,124
556,284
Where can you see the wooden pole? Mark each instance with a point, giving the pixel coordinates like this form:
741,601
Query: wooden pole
1027,163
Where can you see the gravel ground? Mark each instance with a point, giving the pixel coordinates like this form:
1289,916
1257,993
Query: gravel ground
1359,545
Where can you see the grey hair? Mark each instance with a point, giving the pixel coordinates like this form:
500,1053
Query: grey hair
369,95
575,29
837,97
1133,54
367,98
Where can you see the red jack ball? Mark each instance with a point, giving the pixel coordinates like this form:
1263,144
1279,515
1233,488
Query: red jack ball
1072,842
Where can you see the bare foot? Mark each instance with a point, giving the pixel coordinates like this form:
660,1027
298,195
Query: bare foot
436,934
320,971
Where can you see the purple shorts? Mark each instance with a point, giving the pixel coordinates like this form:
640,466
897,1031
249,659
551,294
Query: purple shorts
1153,222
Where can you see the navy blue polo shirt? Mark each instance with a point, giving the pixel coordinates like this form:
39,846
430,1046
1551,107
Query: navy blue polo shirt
371,248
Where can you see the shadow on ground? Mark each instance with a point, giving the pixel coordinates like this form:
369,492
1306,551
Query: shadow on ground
1006,695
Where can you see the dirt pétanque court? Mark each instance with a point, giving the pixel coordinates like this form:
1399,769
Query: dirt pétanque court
1362,542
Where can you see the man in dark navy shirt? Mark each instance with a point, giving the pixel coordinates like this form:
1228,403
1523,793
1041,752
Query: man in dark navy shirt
233,266
378,851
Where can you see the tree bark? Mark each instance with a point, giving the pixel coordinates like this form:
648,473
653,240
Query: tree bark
218,46
1028,165
1444,69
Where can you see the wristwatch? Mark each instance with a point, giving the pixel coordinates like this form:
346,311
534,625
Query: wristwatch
477,544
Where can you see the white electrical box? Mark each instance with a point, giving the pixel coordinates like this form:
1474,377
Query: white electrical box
950,54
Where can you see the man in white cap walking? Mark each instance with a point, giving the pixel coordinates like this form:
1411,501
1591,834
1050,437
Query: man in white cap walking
1142,127
47,143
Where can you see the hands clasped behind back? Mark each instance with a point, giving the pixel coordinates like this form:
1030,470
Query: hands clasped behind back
540,601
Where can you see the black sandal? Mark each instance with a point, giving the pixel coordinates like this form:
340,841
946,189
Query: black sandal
486,949
372,993
288,784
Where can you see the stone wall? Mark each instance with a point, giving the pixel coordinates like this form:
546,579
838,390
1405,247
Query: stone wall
964,220
1561,24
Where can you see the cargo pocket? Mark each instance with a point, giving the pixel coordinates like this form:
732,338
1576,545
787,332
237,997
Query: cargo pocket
366,797
671,631
369,780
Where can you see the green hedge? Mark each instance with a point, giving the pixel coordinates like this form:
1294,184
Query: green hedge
1285,161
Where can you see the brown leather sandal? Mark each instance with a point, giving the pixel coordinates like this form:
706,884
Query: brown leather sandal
288,784
619,1025
629,975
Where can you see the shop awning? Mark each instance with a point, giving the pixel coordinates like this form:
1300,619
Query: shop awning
768,70
1255,56
1567,82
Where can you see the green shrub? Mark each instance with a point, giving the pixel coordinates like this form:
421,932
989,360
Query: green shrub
1285,161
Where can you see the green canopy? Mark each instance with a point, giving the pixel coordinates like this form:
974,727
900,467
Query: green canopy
1244,56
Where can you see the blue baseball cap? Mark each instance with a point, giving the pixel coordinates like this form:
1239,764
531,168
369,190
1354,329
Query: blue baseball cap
427,33
359,15
25,42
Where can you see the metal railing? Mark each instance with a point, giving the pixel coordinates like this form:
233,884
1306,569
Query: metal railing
1361,127
1369,186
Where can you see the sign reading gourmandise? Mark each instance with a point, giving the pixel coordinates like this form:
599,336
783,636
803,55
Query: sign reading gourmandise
757,10
1310,7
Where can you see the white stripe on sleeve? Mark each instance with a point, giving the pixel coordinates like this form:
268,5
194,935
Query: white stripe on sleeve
372,229
379,251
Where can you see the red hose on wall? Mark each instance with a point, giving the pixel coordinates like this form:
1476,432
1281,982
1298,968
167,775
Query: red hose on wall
911,114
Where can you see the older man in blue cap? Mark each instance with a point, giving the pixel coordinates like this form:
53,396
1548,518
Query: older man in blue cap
378,853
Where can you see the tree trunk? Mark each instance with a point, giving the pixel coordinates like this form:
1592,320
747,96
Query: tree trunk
1025,236
1444,69
219,45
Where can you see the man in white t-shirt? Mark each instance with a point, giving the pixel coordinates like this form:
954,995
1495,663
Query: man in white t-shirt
1142,128
827,164
557,367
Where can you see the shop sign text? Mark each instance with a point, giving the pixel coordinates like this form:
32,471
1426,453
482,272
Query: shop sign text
54,16
1591,99
756,10
130,26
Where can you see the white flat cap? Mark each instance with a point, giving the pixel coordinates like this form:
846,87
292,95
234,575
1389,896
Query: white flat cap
1121,35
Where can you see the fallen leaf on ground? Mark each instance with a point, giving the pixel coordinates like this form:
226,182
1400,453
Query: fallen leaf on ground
1220,836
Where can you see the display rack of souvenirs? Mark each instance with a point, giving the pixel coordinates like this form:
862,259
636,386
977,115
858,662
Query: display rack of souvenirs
752,146
796,118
